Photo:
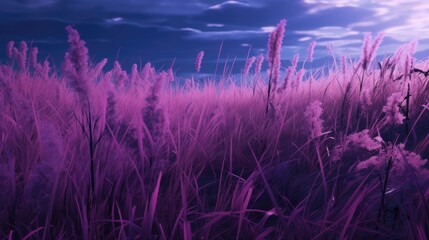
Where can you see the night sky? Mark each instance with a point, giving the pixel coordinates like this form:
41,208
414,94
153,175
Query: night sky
167,31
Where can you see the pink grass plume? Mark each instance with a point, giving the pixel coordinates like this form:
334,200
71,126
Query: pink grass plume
295,61
9,49
392,110
198,61
311,51
258,65
313,117
298,78
78,52
274,50
366,48
248,66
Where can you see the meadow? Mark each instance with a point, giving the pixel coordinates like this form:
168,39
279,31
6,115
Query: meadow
337,152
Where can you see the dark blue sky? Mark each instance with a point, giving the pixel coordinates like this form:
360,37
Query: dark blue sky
159,31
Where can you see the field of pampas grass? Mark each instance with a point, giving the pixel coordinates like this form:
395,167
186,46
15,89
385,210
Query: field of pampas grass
333,153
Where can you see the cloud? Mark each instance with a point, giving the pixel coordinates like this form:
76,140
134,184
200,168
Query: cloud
321,5
164,7
229,3
362,24
224,35
193,30
268,29
402,20
304,39
117,19
216,25
228,34
332,32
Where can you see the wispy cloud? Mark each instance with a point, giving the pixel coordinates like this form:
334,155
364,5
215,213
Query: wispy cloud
321,5
362,24
192,30
227,34
229,3
215,25
224,35
268,29
332,32
404,20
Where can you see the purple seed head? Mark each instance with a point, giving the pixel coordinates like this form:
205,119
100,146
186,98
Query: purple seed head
198,61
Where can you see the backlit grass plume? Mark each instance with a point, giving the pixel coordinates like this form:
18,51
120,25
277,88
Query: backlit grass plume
392,109
313,117
275,42
198,61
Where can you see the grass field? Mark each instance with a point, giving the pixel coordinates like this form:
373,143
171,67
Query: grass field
328,153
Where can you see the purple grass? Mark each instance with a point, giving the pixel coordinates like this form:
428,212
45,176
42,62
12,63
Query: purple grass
274,49
248,66
198,61
89,153
311,51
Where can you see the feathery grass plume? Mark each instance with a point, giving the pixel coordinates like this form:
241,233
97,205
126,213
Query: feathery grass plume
375,45
412,47
274,49
313,118
354,143
153,116
76,63
392,109
78,53
33,61
248,66
409,62
96,71
370,48
366,48
258,65
290,71
22,60
409,59
295,61
9,49
39,68
135,77
287,80
119,75
148,73
19,55
397,55
198,61
311,51
46,69
33,56
402,160
401,53
170,75
298,78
